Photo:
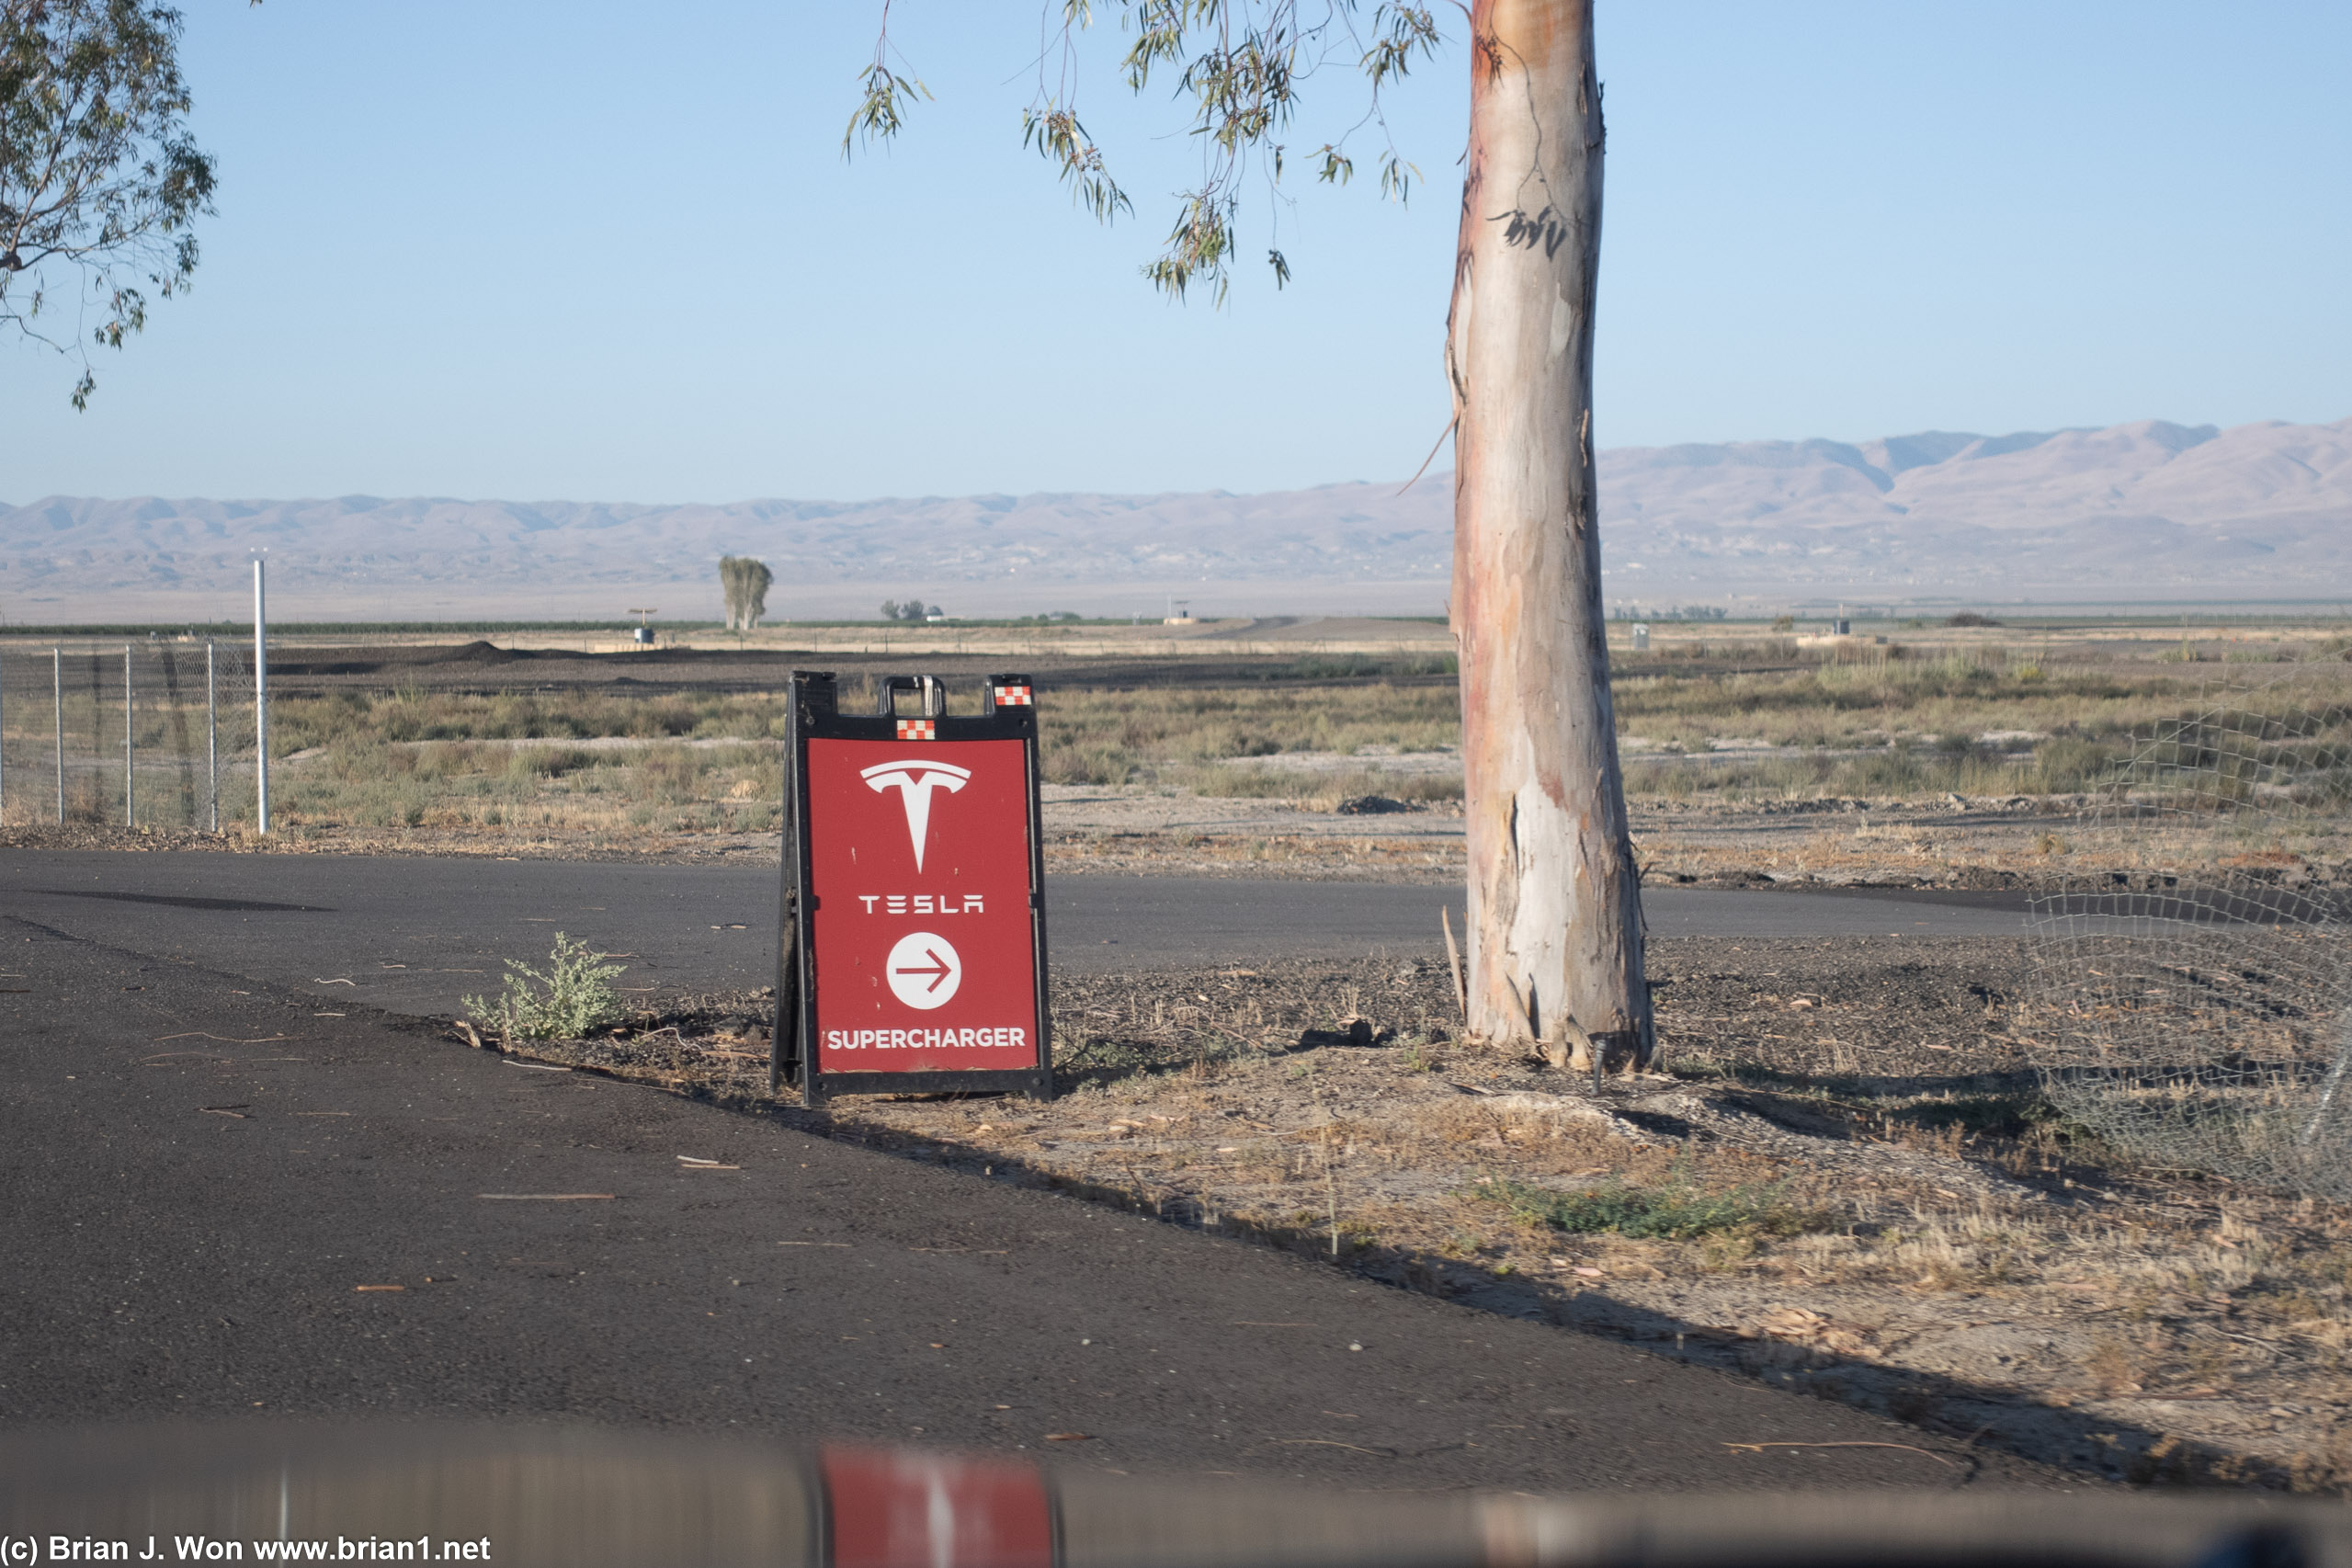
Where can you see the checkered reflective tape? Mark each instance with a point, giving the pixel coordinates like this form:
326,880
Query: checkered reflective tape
917,730
1015,696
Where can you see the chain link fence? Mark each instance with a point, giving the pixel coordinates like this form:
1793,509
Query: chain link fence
151,734
2195,998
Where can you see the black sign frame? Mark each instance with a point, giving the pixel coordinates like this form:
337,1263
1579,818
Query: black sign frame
1008,712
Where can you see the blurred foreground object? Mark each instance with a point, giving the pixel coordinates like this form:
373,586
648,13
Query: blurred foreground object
553,1496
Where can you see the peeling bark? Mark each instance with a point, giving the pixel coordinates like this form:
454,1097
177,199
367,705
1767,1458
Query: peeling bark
1555,907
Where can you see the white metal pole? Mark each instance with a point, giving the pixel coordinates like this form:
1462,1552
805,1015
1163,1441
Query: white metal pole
130,789
57,694
3,741
211,736
261,698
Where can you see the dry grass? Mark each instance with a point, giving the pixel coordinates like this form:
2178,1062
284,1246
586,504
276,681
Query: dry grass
1166,734
659,787
1986,720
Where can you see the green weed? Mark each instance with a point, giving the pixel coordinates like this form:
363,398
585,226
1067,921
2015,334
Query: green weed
577,998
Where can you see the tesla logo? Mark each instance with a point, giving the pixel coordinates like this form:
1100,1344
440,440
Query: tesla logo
915,781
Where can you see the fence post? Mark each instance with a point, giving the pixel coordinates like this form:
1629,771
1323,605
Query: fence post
260,701
129,777
2334,1082
212,737
57,695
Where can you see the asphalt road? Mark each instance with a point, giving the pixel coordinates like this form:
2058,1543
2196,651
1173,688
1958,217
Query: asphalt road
415,935
226,1200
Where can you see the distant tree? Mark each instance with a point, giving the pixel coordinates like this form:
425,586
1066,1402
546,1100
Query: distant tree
745,581
757,580
99,180
730,587
890,610
910,609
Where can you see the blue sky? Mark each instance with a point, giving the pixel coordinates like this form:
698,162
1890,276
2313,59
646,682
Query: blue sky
588,250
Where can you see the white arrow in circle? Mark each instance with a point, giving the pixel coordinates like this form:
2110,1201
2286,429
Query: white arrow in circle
915,778
925,970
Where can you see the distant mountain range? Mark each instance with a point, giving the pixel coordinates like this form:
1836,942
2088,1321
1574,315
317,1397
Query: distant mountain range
2149,510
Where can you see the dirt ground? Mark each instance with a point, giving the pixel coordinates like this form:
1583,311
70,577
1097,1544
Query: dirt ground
1144,831
1970,843
1846,1184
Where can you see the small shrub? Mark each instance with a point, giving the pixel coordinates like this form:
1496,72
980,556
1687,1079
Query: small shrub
1087,764
1993,1116
1674,1211
1358,667
2114,1366
1726,1250
578,996
2069,766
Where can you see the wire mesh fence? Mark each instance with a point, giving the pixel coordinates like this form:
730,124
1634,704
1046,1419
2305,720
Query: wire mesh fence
156,735
2194,1003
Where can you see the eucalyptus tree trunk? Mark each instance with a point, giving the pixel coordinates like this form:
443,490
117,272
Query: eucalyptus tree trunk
1555,902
